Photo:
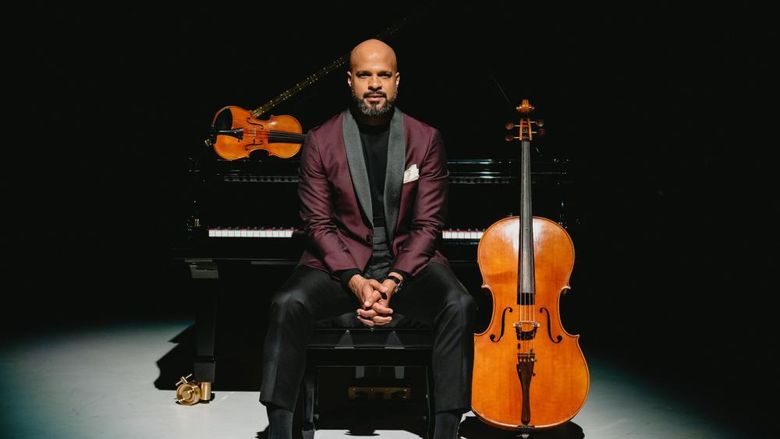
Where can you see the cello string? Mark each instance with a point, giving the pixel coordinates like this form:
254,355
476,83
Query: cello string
530,237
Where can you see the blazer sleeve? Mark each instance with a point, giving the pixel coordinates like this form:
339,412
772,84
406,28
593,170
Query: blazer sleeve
430,210
316,208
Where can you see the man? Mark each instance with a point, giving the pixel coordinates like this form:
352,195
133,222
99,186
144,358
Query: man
373,190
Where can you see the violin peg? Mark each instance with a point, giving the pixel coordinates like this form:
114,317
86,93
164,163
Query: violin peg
510,138
510,125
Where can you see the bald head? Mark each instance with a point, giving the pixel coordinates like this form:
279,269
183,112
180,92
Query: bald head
372,51
373,77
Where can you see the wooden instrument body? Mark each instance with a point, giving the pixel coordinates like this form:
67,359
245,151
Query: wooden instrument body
237,133
560,381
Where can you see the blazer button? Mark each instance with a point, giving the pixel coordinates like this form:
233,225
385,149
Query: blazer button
368,237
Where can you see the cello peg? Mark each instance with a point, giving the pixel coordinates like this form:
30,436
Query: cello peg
510,138
510,125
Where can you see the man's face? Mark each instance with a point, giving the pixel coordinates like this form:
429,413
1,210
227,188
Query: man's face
374,82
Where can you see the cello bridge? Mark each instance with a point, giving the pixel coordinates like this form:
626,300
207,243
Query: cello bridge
526,329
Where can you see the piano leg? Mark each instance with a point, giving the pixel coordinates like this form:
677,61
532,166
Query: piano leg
205,282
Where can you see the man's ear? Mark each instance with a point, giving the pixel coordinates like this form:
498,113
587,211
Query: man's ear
349,78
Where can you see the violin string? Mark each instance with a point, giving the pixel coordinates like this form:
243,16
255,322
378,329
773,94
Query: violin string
278,133
280,136
298,139
274,133
260,130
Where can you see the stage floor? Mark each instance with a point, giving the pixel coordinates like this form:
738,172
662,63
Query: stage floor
98,381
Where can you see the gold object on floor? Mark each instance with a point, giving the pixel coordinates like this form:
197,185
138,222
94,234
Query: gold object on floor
205,391
189,392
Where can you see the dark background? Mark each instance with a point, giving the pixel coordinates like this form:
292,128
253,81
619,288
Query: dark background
666,113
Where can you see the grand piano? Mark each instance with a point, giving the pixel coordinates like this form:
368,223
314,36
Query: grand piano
243,214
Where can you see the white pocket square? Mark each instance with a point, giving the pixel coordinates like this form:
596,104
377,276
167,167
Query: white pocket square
411,174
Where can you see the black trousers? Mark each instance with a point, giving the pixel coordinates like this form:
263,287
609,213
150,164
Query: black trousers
434,298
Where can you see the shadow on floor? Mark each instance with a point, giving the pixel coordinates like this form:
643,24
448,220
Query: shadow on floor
238,354
366,417
177,362
473,428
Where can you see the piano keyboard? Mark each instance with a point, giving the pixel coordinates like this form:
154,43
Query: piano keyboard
252,233
462,234
447,234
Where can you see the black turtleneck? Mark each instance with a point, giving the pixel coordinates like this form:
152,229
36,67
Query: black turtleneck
375,139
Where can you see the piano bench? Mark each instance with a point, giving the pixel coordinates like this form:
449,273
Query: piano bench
361,347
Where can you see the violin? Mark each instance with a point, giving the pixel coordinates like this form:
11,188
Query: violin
236,133
529,373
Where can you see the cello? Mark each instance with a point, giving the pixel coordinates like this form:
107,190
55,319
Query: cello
529,373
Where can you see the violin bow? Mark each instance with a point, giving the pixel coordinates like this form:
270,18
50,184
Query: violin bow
316,76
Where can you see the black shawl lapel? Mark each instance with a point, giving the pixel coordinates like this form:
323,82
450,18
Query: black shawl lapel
396,159
357,165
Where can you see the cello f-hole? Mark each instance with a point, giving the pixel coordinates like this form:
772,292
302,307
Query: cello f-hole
557,338
503,321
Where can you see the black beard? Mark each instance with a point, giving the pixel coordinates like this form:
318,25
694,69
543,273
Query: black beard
372,111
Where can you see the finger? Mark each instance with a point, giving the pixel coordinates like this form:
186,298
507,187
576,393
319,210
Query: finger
366,313
368,297
366,322
375,284
379,320
381,308
379,295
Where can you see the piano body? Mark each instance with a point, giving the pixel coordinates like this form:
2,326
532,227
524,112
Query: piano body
244,214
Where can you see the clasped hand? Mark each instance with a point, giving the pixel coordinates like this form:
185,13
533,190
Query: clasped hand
375,299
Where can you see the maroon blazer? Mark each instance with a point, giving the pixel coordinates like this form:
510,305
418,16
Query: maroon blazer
336,200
